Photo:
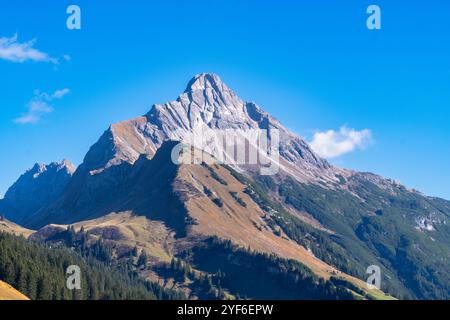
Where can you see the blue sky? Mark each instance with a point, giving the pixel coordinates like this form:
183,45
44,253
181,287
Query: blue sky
315,66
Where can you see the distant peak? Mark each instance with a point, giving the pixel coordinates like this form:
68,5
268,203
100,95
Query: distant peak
39,168
204,81
68,165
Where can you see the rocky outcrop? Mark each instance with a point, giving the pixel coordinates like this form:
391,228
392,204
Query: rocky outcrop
35,189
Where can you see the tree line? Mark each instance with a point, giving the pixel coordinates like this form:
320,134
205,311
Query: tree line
39,271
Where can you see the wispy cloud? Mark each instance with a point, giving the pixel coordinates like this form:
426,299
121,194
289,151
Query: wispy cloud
39,106
58,94
13,50
332,144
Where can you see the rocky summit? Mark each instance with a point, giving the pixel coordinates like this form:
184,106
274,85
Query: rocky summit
35,189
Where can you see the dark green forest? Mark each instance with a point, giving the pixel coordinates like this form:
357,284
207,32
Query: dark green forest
39,271
250,275
218,269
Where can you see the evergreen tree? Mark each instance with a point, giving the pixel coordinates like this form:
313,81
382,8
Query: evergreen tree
31,291
44,290
39,272
143,260
71,235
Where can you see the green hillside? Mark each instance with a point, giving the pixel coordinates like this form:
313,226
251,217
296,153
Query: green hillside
39,272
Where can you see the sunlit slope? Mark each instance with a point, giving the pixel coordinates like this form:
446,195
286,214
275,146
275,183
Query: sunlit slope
9,293
9,227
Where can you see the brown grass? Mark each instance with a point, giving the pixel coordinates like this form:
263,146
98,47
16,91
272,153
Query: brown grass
9,293
10,227
151,236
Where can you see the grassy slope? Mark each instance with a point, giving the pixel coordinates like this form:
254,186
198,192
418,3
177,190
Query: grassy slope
247,226
379,228
8,226
9,293
239,219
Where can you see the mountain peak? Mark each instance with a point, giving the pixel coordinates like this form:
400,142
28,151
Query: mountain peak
207,106
40,168
203,81
36,188
68,165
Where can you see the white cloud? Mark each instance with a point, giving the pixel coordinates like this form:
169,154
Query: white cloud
332,144
61,93
39,105
12,50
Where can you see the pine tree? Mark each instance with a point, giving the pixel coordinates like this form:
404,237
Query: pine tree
31,291
21,282
71,235
44,291
143,259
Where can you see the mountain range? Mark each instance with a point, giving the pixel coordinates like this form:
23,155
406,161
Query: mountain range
313,221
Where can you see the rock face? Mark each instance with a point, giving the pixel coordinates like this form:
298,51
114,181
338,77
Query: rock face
36,189
207,103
